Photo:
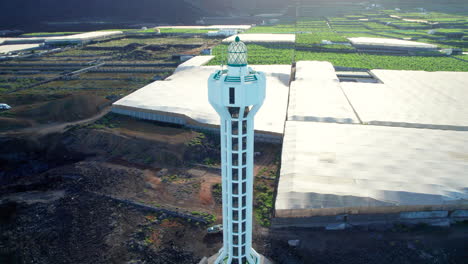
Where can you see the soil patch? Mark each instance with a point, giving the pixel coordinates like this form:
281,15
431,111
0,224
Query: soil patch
70,108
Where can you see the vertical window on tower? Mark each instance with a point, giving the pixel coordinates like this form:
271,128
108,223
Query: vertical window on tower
235,159
236,261
244,143
244,127
235,144
246,111
243,252
235,240
235,251
243,239
244,158
244,202
235,127
235,202
235,188
232,95
243,215
235,174
235,228
244,174
243,187
235,215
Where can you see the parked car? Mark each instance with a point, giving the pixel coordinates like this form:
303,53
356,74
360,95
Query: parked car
215,229
4,107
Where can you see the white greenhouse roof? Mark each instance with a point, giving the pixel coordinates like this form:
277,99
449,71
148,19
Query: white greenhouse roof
244,27
186,93
316,95
81,36
412,98
389,42
365,168
18,47
263,38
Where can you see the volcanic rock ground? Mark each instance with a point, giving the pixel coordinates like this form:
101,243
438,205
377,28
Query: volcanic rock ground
120,190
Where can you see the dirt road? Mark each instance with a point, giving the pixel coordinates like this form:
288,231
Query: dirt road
42,130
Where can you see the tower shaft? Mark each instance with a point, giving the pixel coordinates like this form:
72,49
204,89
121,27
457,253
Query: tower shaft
237,94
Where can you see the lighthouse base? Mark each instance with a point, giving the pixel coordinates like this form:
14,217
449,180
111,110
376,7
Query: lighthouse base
211,260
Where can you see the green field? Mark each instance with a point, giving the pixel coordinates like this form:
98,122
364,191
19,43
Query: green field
258,54
149,41
312,31
185,31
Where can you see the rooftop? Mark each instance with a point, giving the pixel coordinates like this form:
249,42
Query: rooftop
263,38
389,42
184,93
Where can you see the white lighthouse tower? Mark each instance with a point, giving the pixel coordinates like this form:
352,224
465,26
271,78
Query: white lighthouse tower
237,94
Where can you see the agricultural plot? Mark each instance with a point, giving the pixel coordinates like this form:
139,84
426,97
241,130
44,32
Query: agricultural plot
366,61
149,41
130,64
184,31
278,29
258,54
415,63
99,87
352,60
318,37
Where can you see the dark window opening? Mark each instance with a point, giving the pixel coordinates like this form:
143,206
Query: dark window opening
244,127
235,215
235,144
232,95
244,213
235,174
235,202
244,201
246,111
235,239
234,111
235,188
244,158
244,187
243,239
235,159
235,251
235,127
244,142
243,253
244,174
235,228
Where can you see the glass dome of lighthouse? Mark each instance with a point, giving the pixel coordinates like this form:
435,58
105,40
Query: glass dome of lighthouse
237,54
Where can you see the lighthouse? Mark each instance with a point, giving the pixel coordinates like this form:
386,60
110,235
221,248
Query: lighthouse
237,94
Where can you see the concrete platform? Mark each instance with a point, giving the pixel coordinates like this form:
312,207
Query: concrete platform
435,100
316,95
330,169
